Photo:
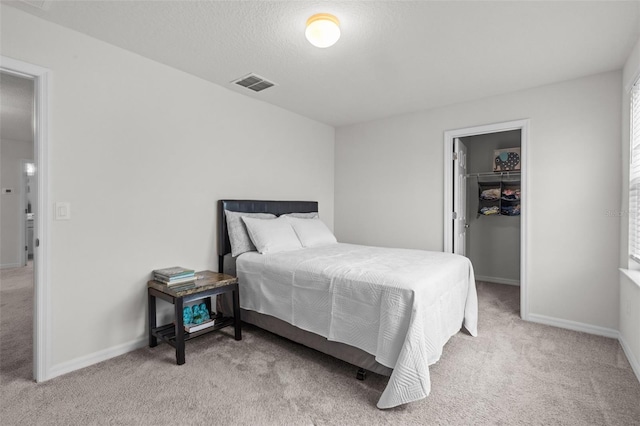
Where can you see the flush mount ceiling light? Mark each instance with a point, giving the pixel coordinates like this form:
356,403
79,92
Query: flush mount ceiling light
323,30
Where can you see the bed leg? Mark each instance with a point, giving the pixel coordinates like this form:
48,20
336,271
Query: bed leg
361,374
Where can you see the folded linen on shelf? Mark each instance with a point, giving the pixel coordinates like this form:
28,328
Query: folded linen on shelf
490,194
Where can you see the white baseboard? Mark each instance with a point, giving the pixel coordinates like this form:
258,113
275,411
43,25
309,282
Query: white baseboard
103,355
635,364
498,280
574,325
94,358
10,265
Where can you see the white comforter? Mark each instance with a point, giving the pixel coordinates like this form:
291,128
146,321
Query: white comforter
399,305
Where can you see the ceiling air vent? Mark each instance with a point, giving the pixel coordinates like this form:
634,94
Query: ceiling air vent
253,82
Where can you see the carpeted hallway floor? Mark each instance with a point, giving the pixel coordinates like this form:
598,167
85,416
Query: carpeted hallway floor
513,373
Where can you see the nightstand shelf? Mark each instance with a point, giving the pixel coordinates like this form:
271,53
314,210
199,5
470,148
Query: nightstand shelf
167,332
208,285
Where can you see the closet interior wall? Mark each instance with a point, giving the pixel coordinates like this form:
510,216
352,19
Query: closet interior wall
493,242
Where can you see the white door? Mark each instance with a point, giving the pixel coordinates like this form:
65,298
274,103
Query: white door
459,197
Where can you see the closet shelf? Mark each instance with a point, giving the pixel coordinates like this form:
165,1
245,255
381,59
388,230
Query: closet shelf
495,198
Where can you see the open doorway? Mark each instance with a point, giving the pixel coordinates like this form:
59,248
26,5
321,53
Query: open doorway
25,329
17,283
485,201
493,189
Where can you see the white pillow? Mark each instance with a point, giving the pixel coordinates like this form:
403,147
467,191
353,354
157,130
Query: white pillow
238,237
312,232
272,235
312,215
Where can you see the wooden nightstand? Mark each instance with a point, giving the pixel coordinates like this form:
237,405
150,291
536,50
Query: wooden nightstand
207,285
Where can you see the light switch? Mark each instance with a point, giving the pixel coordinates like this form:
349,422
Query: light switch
63,211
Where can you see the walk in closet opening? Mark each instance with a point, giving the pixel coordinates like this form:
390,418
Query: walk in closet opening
493,205
492,229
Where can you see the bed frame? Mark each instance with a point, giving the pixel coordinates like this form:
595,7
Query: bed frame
226,263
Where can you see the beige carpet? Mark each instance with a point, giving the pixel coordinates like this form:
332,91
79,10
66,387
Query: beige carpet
513,373
16,326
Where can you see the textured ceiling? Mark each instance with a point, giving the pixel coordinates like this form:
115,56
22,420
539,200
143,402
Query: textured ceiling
393,57
16,108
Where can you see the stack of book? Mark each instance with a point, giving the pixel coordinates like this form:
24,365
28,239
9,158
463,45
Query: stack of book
176,276
191,328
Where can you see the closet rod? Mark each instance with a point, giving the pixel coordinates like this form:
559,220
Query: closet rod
493,174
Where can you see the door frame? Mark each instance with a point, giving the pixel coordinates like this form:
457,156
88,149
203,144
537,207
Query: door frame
42,297
449,136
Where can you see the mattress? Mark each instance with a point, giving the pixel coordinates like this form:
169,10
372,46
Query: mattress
399,305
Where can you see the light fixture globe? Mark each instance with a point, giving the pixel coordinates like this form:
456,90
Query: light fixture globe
323,30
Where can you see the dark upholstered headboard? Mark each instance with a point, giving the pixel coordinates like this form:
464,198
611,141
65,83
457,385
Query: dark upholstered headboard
254,206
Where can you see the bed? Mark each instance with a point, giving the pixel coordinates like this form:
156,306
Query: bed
389,311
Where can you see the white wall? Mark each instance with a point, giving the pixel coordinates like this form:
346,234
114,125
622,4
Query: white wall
629,288
11,205
630,318
389,188
143,152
